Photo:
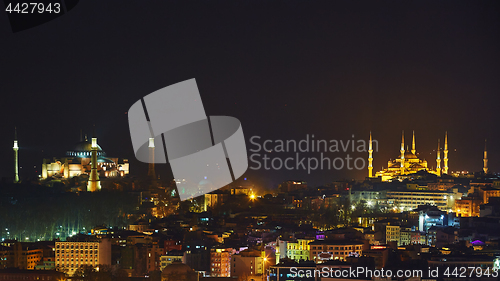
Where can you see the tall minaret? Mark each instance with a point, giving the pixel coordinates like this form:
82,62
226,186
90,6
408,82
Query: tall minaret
485,159
402,153
413,150
438,159
93,184
151,171
16,159
445,151
370,157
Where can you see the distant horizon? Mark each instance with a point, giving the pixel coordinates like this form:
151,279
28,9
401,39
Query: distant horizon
328,68
140,169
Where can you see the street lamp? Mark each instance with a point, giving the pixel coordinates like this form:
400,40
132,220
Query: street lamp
264,268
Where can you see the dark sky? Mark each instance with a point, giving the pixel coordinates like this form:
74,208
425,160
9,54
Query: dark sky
283,68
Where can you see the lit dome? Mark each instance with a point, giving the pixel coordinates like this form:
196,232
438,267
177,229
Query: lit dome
409,155
83,149
104,160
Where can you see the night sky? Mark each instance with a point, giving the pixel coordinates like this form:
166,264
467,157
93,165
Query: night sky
283,68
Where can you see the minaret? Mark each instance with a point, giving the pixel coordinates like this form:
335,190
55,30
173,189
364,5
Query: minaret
438,160
93,184
413,150
370,157
151,171
485,159
402,153
445,151
16,159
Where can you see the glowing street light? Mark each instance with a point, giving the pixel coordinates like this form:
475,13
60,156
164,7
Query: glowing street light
264,267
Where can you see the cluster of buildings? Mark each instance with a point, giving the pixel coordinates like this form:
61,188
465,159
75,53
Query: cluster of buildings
407,215
388,223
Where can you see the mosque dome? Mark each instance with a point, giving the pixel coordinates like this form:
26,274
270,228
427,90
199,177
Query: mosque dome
85,146
409,155
104,160
83,149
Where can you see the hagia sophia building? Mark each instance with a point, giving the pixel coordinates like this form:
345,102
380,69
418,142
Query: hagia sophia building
78,161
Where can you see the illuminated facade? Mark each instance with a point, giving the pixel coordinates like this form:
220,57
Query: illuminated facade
468,207
408,162
324,250
296,250
411,199
213,199
392,233
72,255
26,256
172,256
220,262
486,192
78,162
20,255
247,263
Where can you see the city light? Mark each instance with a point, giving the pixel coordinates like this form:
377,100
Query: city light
328,97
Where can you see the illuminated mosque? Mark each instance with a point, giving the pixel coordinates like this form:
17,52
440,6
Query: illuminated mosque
408,162
78,161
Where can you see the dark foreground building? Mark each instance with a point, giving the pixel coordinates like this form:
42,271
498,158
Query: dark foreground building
25,274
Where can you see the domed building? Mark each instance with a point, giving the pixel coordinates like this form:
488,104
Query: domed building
178,271
78,162
409,162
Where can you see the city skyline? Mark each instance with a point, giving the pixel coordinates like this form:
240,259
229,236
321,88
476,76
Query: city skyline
354,135
379,165
329,69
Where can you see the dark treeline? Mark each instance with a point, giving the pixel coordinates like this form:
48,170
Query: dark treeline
47,212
